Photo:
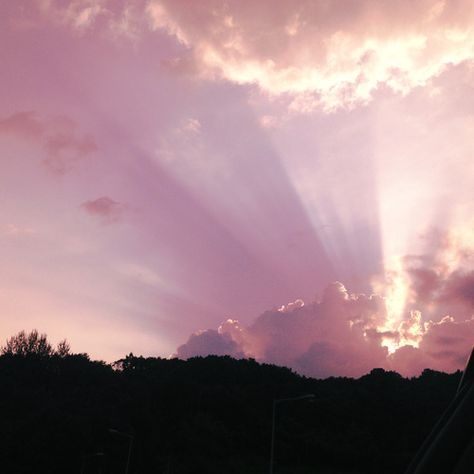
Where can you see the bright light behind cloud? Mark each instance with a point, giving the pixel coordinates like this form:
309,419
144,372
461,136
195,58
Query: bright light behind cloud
325,55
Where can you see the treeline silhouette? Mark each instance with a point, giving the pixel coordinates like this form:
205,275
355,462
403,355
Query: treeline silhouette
64,413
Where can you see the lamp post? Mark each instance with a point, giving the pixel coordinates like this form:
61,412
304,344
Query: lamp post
276,401
130,444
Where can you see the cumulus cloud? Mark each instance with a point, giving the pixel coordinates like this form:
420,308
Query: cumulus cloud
341,334
104,208
322,54
58,137
326,337
440,279
209,342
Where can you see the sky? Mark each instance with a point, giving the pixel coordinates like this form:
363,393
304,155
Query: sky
287,180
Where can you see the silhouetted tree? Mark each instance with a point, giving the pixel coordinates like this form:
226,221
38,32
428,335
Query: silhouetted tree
63,349
23,344
205,415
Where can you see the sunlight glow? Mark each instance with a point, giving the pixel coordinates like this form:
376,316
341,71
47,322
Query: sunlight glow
395,288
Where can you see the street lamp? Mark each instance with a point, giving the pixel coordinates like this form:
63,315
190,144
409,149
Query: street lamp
276,401
130,444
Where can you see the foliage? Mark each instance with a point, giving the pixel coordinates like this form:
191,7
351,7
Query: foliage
205,415
33,344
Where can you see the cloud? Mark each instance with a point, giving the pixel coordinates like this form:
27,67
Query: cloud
104,208
320,338
445,346
78,14
440,279
58,137
322,55
271,121
341,335
317,55
23,123
209,342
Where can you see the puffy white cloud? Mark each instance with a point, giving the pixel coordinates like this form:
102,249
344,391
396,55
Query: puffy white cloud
322,54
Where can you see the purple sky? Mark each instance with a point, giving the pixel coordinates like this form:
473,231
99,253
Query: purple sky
176,168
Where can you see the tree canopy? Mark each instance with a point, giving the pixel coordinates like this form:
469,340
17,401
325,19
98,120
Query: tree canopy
63,412
33,344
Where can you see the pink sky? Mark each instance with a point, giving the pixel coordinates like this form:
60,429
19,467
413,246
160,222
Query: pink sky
176,168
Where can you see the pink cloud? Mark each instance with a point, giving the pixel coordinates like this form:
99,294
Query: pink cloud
209,342
317,54
105,208
321,338
65,149
23,123
57,136
339,336
324,55
440,278
76,14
